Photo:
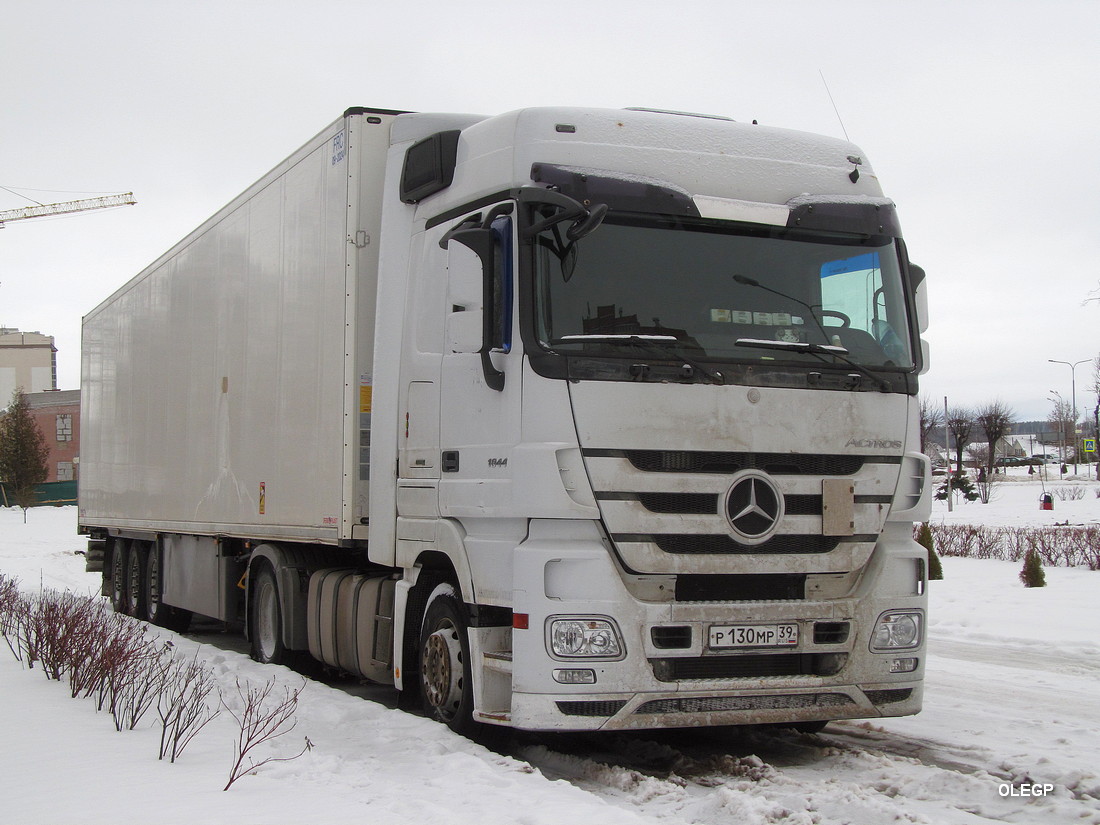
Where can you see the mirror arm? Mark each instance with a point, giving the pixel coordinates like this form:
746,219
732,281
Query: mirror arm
497,211
537,196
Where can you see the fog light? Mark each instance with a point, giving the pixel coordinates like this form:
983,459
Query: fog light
575,677
903,665
584,637
896,630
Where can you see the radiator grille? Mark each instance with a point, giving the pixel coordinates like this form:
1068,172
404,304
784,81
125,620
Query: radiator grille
707,503
664,520
694,503
684,461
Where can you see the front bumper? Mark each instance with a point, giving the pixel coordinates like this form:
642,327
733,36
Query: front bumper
703,708
572,573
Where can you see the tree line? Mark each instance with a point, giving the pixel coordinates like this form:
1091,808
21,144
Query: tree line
995,420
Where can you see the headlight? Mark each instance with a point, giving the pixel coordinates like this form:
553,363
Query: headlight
584,637
896,631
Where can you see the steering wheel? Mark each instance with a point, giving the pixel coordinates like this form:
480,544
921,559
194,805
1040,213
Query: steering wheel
845,321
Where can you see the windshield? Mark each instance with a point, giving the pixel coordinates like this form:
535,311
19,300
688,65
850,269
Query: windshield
710,290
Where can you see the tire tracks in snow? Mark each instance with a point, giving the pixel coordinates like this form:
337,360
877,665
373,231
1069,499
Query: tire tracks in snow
851,773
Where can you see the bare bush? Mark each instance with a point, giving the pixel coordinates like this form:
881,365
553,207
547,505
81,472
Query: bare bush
1075,493
1060,546
123,655
111,658
182,704
986,485
988,543
58,622
147,678
953,539
1016,543
86,660
13,607
260,721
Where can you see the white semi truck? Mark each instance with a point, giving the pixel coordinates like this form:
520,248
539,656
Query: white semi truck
562,419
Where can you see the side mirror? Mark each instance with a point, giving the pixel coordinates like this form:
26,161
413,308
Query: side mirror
920,295
465,270
465,277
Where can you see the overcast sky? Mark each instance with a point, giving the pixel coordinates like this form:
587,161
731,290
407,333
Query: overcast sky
980,119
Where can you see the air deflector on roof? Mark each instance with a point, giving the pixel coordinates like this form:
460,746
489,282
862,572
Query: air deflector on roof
429,166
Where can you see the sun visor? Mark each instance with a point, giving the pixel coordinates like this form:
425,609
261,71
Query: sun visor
858,216
619,190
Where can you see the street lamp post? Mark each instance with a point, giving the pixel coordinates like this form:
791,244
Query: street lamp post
1060,424
1073,391
1096,433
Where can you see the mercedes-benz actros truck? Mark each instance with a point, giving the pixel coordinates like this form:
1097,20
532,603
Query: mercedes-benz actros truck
561,419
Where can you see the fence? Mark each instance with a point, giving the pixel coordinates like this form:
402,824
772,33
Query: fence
50,494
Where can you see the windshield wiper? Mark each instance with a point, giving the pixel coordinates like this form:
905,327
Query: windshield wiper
653,343
819,350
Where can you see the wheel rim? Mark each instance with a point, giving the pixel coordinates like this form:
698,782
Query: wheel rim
133,580
118,572
441,671
152,595
266,619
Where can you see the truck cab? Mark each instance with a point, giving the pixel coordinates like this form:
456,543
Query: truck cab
655,384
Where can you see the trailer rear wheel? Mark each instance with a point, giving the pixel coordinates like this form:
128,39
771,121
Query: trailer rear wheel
119,566
266,619
135,579
155,611
446,688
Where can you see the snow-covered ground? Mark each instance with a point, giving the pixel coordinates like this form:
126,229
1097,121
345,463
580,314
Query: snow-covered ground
1012,701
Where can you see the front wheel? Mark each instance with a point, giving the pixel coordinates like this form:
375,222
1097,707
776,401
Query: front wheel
446,689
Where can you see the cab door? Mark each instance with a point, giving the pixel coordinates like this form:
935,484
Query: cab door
480,382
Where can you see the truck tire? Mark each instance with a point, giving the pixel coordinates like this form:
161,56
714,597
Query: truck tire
154,610
446,688
119,565
266,619
135,579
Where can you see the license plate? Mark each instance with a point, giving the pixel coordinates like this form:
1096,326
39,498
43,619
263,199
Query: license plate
754,635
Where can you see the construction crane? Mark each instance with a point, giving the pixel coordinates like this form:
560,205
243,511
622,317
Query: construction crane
65,208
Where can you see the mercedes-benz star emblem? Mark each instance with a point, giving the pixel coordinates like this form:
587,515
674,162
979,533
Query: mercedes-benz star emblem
754,507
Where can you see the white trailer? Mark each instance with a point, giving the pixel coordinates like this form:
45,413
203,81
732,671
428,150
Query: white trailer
562,419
